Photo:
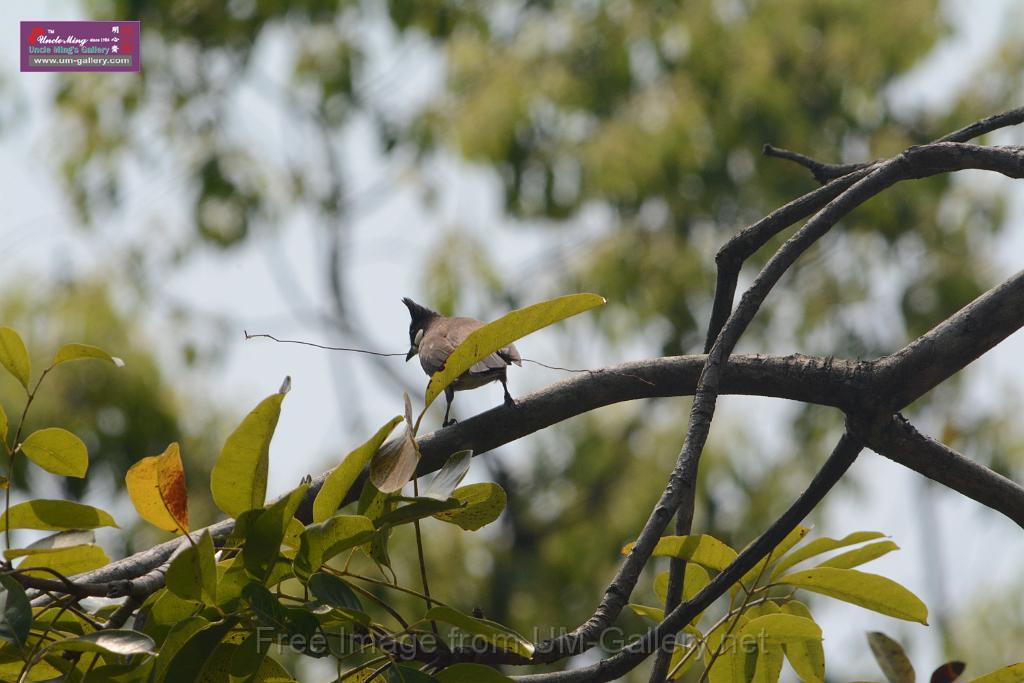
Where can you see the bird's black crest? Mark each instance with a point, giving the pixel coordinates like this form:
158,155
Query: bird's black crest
419,313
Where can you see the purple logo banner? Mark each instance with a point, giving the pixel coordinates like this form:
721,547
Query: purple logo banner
80,45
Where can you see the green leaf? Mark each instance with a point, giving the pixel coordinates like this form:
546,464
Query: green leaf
418,509
247,659
394,465
470,673
870,591
656,614
341,478
123,642
334,592
694,580
485,340
193,573
891,658
1008,674
822,545
190,659
70,352
780,628
481,504
701,549
407,674
267,608
494,633
3,425
16,611
449,476
264,538
239,477
68,561
791,539
54,515
14,355
807,657
320,542
58,451
61,539
859,556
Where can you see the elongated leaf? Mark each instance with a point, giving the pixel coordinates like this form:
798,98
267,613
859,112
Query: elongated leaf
3,425
394,465
333,591
769,664
247,659
264,538
859,588
780,628
694,580
1008,674
190,659
70,352
320,542
58,451
239,478
858,556
193,573
124,642
341,478
470,673
449,476
701,549
407,674
15,610
807,657
54,515
14,355
822,545
420,508
61,539
779,551
485,340
494,633
68,561
891,658
156,486
481,504
655,614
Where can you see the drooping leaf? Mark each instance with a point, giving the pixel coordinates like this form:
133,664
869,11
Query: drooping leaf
470,673
485,340
394,465
807,657
3,425
891,658
694,580
61,539
494,633
58,451
264,538
193,573
780,628
68,561
333,591
239,477
15,610
156,486
791,539
247,659
860,588
14,355
858,556
320,542
655,614
822,545
70,352
54,515
449,476
481,504
189,660
948,672
124,642
341,478
769,663
701,549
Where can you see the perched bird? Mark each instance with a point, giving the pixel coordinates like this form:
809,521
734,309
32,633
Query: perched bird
434,337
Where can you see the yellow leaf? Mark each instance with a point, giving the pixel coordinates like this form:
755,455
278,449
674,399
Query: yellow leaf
860,588
14,355
484,341
807,657
54,515
156,485
58,451
1008,674
337,484
68,561
701,549
70,352
239,477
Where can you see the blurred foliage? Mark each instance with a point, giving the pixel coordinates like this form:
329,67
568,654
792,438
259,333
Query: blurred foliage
653,111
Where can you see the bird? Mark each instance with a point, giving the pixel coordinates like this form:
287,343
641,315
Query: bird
433,337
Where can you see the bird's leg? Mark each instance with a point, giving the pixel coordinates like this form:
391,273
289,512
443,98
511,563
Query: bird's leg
509,401
449,394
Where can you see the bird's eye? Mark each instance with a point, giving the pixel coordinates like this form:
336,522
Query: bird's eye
417,338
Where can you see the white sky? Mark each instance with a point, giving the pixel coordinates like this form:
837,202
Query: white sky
40,236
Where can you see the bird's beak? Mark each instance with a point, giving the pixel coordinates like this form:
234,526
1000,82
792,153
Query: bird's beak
412,352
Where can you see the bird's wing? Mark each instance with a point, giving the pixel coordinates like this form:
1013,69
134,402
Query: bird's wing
511,355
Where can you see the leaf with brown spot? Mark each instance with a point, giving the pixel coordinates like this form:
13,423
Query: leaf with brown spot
156,485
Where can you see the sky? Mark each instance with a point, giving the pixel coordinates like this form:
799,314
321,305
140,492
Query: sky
260,286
